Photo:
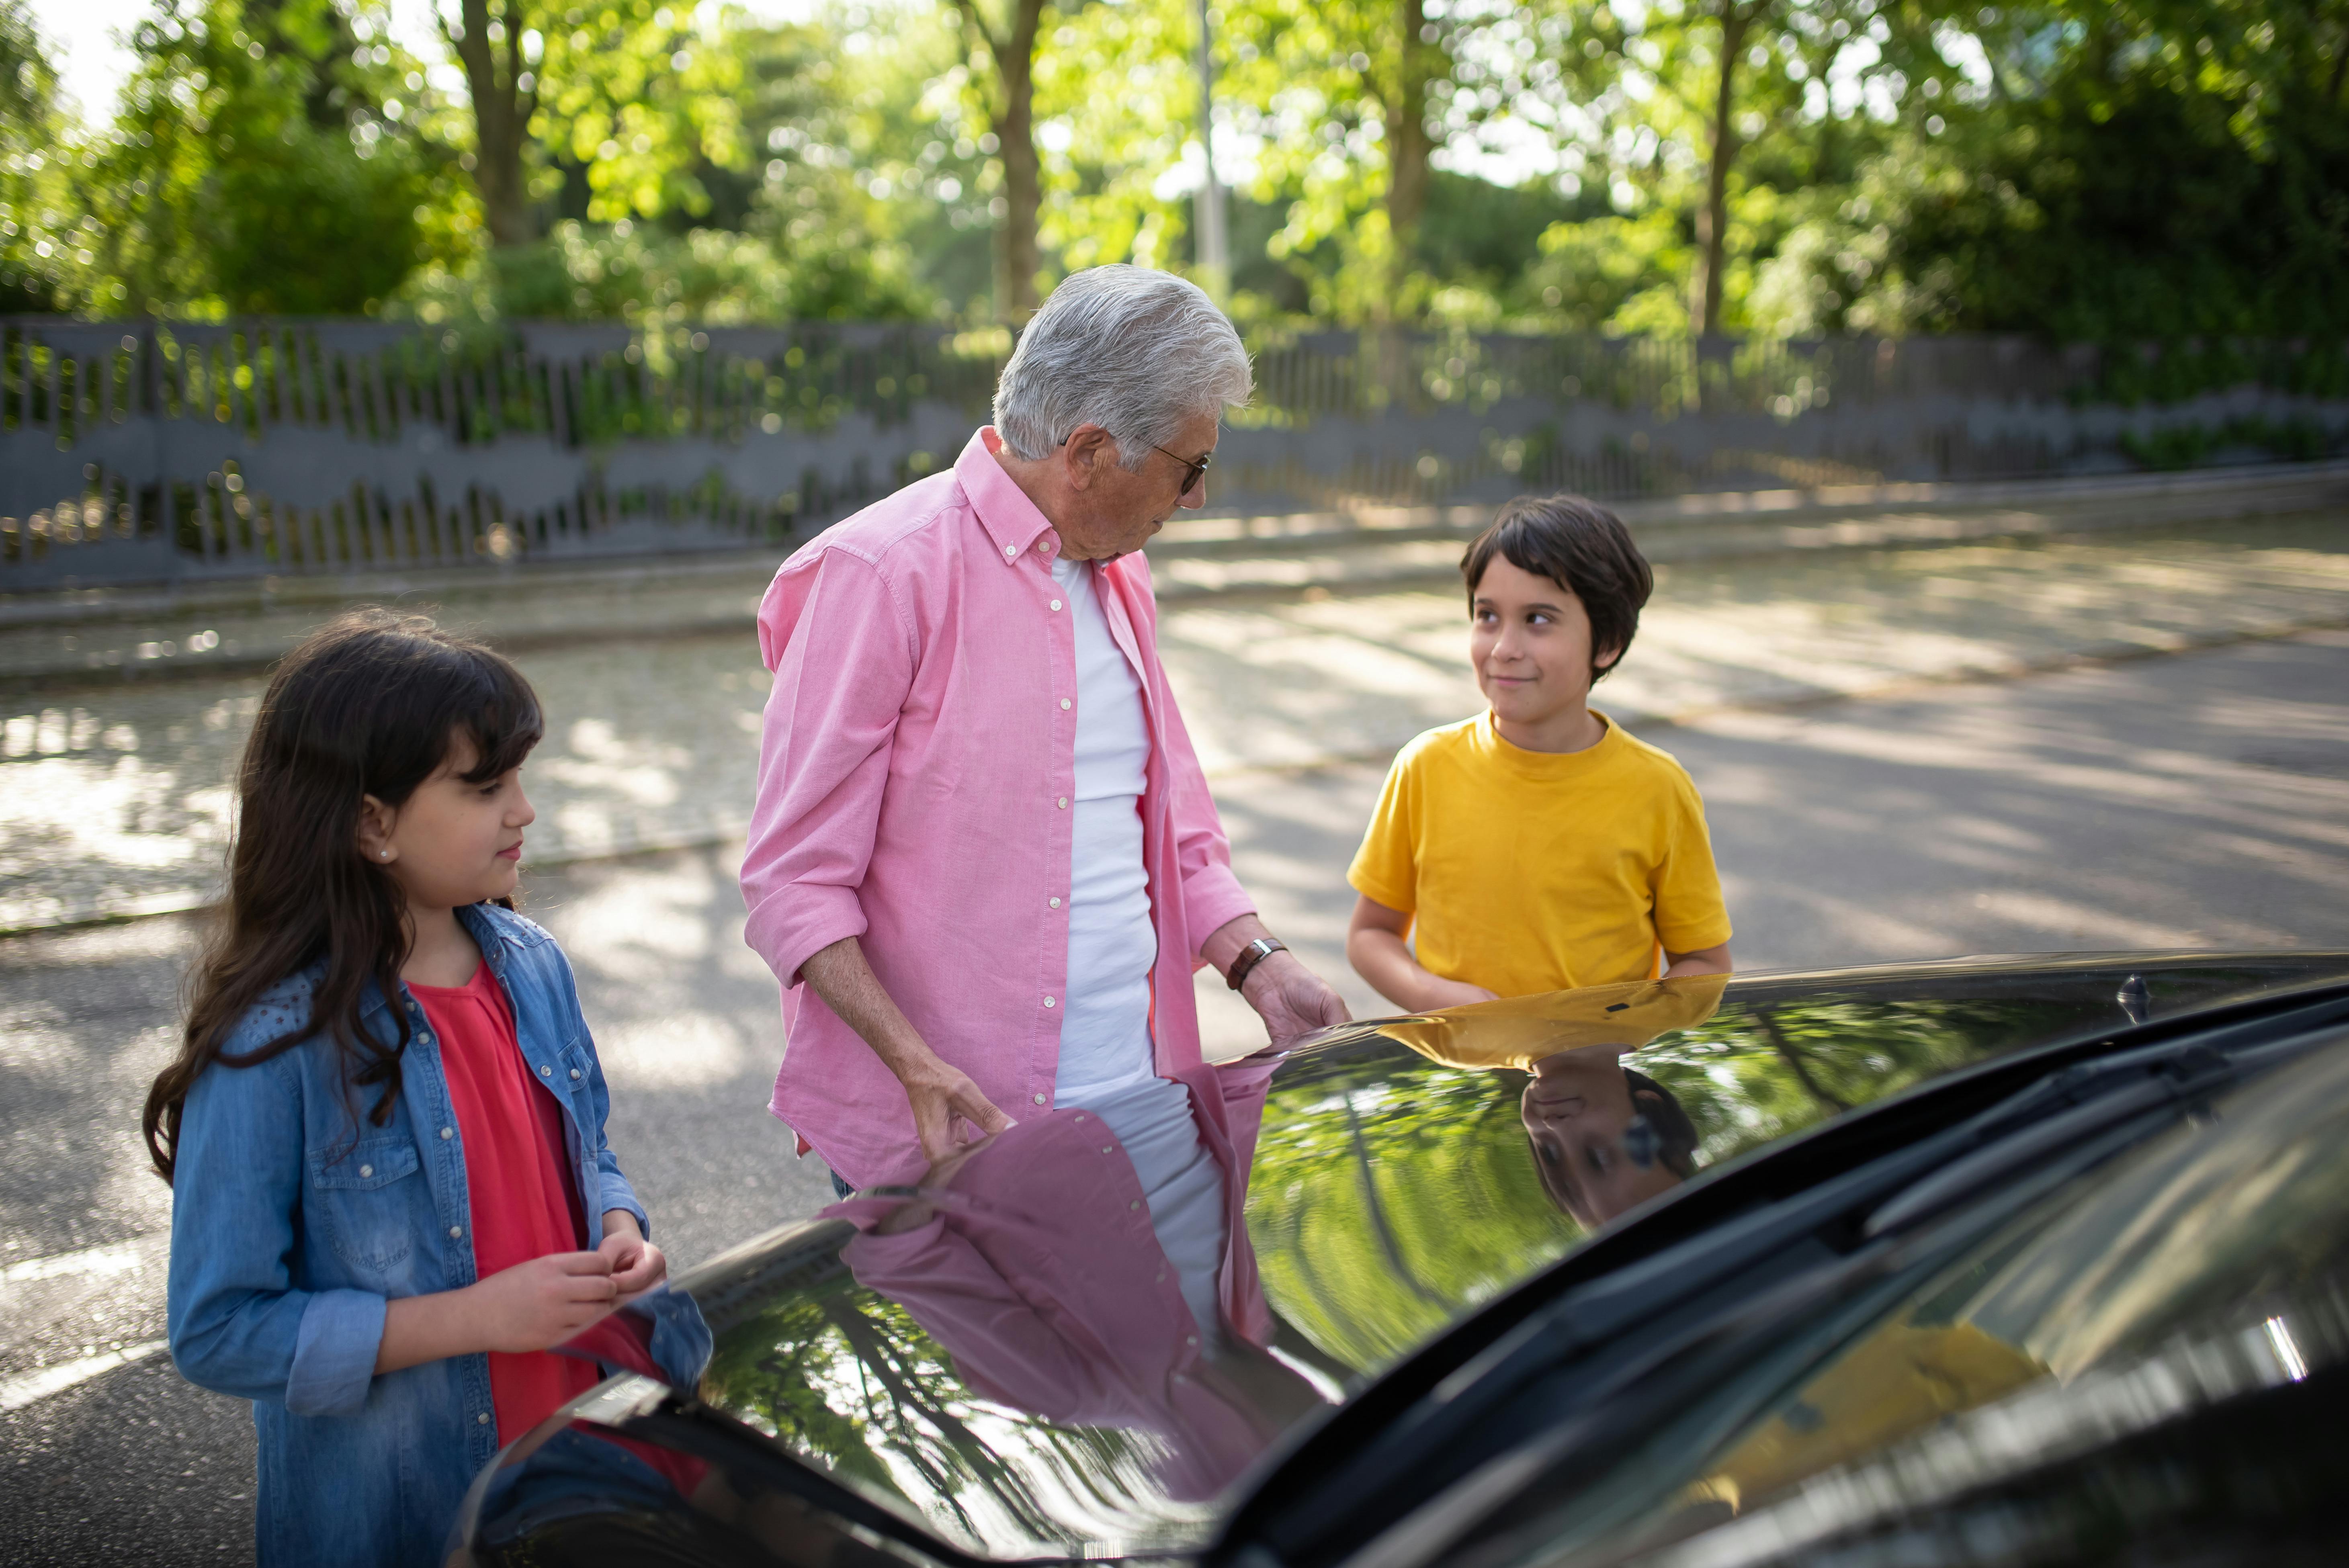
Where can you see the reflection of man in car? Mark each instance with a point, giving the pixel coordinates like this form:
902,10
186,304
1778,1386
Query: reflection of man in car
1092,1267
1605,1138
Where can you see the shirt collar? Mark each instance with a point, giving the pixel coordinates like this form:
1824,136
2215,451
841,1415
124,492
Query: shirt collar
1004,510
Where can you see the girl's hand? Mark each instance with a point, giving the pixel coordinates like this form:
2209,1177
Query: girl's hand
638,1265
539,1304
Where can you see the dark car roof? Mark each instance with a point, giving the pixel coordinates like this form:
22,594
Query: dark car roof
1399,1181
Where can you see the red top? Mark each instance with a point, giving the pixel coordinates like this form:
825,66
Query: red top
525,1199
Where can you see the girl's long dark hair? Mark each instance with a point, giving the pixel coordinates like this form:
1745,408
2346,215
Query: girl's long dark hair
369,705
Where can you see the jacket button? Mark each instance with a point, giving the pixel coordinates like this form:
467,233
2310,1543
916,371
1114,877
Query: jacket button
1040,1099
482,1419
456,1233
448,1132
366,1169
1135,1204
575,1072
546,1072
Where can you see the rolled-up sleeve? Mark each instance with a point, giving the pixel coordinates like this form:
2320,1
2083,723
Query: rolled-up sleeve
843,652
236,1324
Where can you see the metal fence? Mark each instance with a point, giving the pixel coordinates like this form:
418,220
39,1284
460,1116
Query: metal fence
149,452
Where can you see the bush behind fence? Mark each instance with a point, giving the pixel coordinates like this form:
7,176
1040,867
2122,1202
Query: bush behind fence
145,451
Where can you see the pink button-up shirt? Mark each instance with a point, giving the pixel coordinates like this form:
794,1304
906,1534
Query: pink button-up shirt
914,789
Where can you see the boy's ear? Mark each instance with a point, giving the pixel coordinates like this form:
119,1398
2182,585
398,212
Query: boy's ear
1604,660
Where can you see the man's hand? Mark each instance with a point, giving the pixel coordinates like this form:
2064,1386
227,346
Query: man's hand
937,1093
941,1094
1290,998
638,1265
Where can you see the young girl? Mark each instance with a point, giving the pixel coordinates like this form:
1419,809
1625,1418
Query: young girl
385,1126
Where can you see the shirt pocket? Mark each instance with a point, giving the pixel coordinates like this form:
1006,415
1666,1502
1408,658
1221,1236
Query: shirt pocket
365,1199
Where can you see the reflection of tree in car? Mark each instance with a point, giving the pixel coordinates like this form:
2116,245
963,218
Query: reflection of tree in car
1604,1139
1355,1216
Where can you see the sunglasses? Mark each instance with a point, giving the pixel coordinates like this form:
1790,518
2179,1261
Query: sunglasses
1191,471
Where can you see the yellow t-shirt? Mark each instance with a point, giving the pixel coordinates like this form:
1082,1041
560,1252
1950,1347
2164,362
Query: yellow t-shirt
1527,871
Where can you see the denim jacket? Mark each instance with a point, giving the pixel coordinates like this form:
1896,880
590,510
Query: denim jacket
292,1227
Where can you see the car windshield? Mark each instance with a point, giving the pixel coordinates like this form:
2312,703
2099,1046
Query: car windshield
1077,1338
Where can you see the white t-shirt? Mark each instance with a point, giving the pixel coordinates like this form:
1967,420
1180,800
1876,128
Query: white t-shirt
1113,945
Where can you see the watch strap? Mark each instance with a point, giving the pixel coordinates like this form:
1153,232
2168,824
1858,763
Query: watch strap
1254,953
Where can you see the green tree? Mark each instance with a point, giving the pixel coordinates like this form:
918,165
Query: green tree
1670,105
40,235
1351,101
263,159
2109,172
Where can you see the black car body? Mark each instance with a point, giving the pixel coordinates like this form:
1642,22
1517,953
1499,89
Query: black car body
2012,1261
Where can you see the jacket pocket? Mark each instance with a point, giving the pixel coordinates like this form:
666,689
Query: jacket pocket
365,1198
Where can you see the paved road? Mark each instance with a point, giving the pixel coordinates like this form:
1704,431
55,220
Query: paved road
2200,799
113,802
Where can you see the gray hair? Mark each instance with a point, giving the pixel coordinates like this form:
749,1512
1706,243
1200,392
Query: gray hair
1136,352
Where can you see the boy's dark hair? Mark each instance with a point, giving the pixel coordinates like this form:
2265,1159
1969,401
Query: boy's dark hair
1583,548
1674,1135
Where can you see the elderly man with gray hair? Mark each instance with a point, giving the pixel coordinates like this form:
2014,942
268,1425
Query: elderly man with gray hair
984,862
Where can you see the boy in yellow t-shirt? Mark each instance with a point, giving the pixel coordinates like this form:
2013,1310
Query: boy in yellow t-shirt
1538,847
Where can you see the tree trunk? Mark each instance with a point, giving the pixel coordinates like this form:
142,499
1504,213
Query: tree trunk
1713,218
501,112
1015,257
1407,149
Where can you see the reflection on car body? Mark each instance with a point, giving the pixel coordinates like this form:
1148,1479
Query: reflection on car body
1684,1270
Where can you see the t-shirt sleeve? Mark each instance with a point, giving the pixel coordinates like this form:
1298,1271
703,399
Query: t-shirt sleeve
1386,869
1689,914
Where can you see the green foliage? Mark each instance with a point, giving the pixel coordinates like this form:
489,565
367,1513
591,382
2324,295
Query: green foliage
256,166
44,243
2100,170
649,276
2131,172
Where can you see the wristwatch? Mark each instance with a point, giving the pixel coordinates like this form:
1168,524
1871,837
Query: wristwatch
1254,953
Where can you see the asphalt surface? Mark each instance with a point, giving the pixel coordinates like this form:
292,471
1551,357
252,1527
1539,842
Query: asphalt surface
2196,800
